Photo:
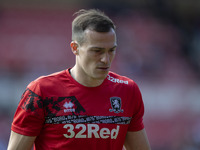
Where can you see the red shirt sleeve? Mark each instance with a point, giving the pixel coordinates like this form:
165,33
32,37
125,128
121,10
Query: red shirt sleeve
29,116
137,118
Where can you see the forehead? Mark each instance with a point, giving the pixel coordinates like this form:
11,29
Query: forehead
100,39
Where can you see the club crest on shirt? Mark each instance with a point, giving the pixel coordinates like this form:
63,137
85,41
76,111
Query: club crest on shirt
116,105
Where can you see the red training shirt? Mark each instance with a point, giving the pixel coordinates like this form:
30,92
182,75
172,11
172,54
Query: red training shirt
66,115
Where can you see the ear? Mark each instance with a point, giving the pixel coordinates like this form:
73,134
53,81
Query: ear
74,47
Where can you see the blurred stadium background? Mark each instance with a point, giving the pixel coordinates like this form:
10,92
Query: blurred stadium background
159,47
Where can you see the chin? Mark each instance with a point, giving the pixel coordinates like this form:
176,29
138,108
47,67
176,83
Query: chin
101,77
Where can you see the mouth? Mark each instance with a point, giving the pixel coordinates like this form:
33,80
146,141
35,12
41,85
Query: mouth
103,68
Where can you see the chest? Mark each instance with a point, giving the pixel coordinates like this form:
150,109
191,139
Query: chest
96,102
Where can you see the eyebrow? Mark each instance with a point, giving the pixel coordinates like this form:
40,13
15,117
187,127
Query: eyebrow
100,48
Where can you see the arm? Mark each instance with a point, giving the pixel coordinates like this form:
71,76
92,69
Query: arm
137,141
20,142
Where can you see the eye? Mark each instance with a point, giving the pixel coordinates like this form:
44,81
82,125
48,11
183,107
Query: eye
112,50
97,50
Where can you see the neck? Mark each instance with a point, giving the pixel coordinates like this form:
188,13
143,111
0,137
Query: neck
84,79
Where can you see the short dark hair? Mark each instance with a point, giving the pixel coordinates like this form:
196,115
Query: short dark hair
92,19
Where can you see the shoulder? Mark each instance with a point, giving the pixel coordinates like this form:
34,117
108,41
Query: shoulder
116,78
124,84
51,80
54,77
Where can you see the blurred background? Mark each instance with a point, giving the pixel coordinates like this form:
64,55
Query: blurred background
158,47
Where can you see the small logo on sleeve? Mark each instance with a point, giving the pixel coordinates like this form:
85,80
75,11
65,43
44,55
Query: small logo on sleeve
116,105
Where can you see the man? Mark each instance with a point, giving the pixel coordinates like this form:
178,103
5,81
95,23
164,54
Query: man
85,107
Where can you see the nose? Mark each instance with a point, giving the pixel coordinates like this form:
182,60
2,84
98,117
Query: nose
105,58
